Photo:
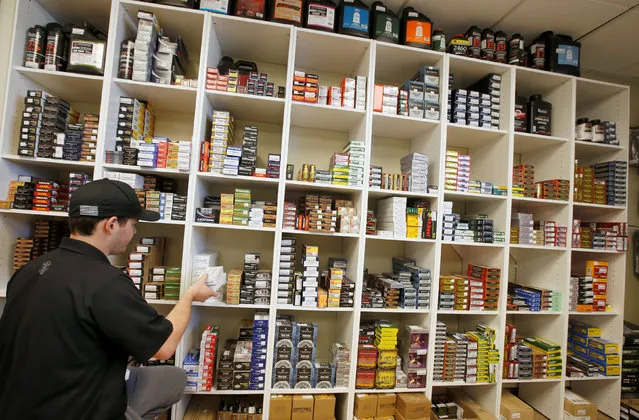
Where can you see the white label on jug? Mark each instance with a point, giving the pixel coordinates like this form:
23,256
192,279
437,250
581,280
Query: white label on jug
321,16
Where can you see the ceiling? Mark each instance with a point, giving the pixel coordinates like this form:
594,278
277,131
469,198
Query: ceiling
607,29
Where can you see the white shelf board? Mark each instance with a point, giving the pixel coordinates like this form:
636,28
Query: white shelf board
395,64
165,98
319,51
246,107
35,212
399,126
166,222
592,378
306,232
393,390
587,149
233,227
524,381
219,304
338,390
598,251
49,163
474,67
224,392
312,309
314,186
74,87
324,117
237,181
538,247
76,11
252,39
596,313
598,206
593,91
467,313
475,244
380,193
170,173
460,383
468,196
395,311
526,142
540,81
161,302
386,238
536,313
466,136
539,202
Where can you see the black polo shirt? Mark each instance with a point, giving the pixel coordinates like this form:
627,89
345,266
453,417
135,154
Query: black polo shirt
70,322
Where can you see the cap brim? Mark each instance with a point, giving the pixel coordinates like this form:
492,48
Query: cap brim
149,216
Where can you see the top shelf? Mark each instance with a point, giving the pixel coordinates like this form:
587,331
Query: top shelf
592,91
530,81
318,51
252,39
75,11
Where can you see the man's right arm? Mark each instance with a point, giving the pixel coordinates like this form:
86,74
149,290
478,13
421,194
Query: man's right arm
181,314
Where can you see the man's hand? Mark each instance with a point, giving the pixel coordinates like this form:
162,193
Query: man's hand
200,291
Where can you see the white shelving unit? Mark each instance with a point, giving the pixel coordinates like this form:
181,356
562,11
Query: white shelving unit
308,133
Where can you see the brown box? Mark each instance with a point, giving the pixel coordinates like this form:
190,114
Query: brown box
472,410
398,416
413,406
365,405
324,407
578,406
386,404
302,407
281,407
512,408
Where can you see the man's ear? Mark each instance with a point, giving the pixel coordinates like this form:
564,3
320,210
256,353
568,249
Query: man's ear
110,224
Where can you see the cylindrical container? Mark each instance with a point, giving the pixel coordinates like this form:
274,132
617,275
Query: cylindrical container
416,29
320,15
459,45
354,18
254,9
473,35
305,172
583,131
439,40
311,173
521,121
35,47
488,45
516,52
125,69
537,54
287,11
384,23
55,58
501,47
598,132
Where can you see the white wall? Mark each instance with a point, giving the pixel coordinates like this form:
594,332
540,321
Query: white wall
7,8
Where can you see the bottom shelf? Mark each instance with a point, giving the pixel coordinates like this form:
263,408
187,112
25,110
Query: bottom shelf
224,392
395,390
338,390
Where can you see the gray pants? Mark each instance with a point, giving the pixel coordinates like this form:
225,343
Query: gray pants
153,390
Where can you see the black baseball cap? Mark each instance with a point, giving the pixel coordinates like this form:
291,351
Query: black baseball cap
106,198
